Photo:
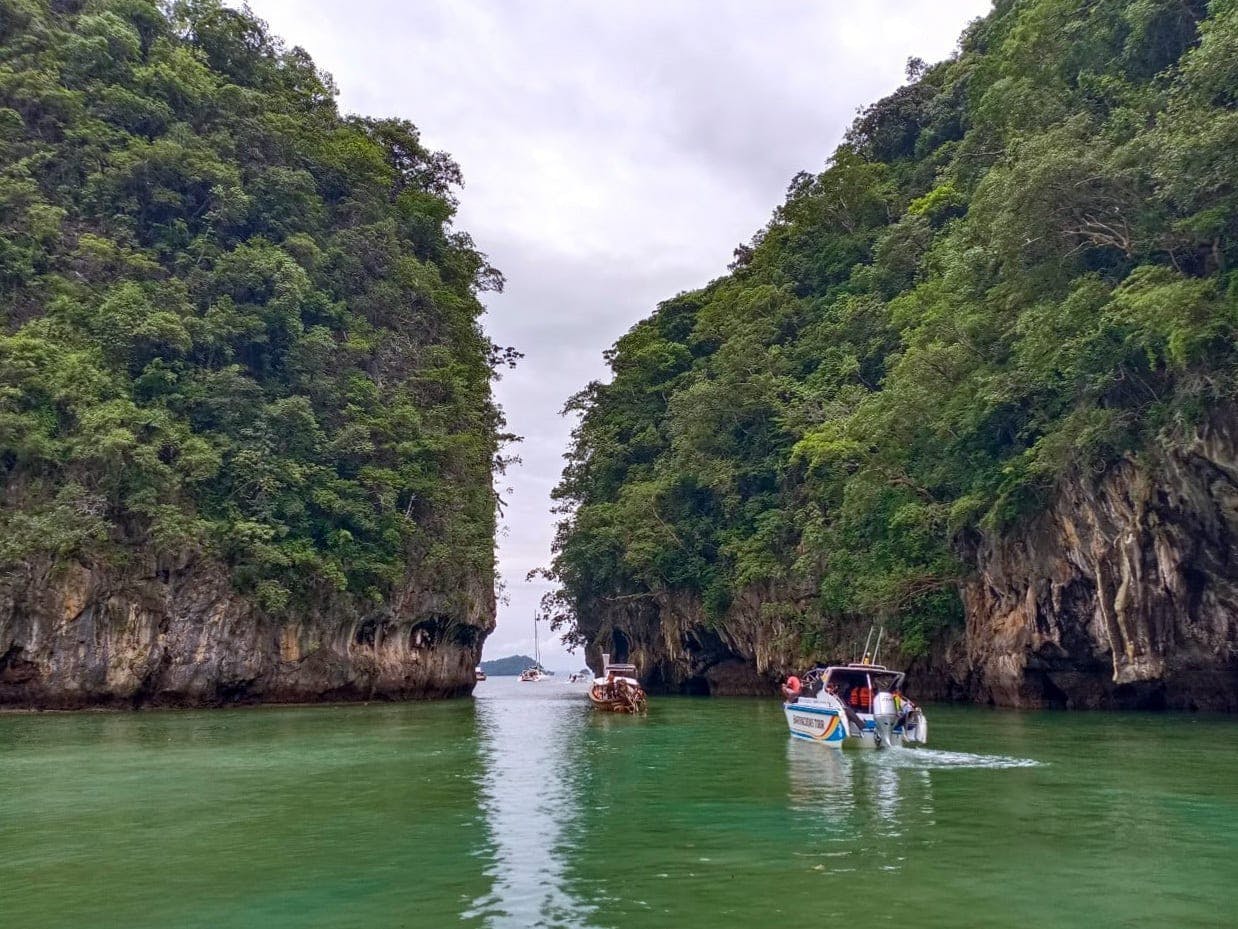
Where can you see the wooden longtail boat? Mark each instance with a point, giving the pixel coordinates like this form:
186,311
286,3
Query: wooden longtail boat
617,690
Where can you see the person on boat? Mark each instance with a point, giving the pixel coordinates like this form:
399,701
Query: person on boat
856,724
814,680
861,698
904,707
791,689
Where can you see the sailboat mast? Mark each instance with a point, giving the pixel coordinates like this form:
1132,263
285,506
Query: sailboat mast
537,646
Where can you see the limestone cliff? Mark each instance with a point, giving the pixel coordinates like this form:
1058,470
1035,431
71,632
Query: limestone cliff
247,430
73,636
958,383
1122,593
677,650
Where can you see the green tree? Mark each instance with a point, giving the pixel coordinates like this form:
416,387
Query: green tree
1017,267
236,322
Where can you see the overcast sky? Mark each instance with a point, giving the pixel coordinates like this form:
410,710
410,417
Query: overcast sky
614,155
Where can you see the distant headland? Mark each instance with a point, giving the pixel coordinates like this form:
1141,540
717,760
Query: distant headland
507,667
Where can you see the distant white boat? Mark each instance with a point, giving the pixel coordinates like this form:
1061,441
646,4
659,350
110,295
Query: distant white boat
536,673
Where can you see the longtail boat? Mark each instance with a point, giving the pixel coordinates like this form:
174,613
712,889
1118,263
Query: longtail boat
617,690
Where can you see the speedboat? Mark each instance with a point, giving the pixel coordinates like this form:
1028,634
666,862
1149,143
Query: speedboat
857,704
479,674
617,688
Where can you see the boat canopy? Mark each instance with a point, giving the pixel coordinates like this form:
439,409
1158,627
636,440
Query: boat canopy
873,676
620,670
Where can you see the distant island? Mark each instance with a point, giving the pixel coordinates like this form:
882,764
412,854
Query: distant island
507,667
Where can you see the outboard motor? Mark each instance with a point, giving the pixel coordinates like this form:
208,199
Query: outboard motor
885,715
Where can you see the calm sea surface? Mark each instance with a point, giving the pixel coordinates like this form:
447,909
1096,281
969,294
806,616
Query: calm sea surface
523,808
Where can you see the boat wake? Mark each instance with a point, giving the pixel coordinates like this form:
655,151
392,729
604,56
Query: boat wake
930,758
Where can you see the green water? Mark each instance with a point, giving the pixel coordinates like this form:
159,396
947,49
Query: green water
522,808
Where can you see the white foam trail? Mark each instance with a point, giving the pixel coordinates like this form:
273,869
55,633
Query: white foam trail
935,758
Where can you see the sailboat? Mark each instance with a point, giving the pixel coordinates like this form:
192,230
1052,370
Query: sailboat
536,672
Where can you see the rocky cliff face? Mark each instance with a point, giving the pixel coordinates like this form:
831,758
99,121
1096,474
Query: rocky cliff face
678,650
1122,593
74,636
673,648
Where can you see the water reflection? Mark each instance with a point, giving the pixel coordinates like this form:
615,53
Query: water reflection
821,780
528,736
859,799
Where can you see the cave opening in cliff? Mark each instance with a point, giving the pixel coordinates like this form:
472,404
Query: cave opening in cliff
619,646
695,687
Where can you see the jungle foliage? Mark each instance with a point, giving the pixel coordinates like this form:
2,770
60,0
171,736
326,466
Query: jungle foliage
1020,266
236,323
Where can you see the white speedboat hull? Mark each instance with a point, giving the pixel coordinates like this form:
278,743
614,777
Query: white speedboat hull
816,723
826,722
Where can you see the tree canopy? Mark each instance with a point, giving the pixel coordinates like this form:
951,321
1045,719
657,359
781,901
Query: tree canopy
236,323
1018,267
